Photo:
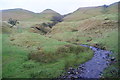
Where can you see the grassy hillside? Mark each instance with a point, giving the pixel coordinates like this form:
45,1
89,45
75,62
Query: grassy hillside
25,15
19,14
90,26
5,28
48,14
28,18
30,55
80,31
84,13
88,12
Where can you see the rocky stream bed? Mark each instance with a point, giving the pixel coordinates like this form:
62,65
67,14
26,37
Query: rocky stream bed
92,68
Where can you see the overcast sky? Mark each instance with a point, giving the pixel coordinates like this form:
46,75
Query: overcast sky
61,6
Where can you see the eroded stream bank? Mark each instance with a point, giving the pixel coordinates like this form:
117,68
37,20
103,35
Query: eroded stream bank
92,68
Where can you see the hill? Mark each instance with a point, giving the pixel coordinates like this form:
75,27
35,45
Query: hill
33,55
19,14
25,15
86,20
91,25
47,14
28,18
87,12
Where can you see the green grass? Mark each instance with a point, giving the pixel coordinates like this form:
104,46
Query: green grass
112,44
110,41
12,57
16,63
110,16
0,55
30,23
65,36
31,55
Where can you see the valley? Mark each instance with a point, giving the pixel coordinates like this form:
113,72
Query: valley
39,47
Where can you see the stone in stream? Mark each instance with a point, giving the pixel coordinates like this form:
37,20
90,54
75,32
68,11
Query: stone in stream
77,72
71,70
113,59
103,48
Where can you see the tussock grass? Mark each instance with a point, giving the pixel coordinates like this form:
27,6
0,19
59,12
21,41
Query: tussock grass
61,51
44,58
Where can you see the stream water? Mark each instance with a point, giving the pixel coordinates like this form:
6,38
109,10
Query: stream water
92,68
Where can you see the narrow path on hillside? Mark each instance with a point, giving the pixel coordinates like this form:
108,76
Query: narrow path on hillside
92,68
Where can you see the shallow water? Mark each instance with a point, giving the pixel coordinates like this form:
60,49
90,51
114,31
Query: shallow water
92,68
